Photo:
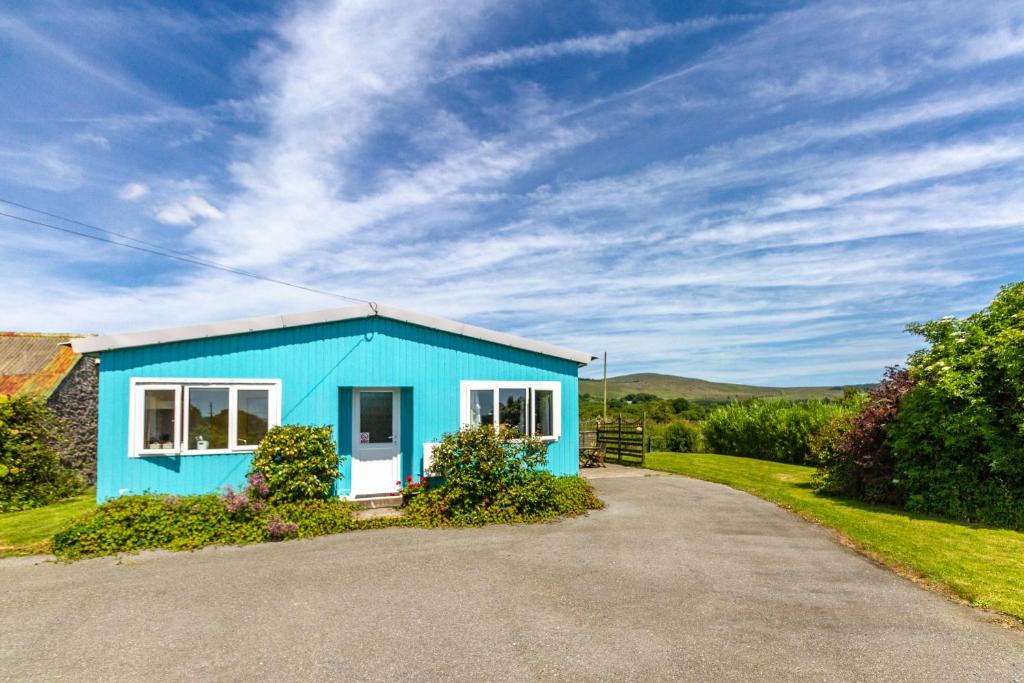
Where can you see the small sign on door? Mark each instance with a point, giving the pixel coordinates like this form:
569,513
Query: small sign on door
364,437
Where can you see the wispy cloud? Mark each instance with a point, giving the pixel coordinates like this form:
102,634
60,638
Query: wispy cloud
770,204
18,31
596,44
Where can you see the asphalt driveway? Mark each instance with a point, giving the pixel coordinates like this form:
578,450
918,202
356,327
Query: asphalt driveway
675,579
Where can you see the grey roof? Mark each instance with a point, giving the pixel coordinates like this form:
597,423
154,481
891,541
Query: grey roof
271,322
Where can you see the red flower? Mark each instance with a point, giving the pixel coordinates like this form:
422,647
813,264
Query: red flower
409,478
398,483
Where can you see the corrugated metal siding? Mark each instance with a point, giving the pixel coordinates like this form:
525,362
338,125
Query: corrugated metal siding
318,365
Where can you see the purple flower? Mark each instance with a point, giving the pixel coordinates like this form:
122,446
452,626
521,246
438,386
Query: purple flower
234,502
258,487
278,529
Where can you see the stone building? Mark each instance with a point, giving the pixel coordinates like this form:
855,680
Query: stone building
44,365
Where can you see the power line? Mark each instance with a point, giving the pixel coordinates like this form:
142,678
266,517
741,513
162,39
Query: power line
94,227
158,250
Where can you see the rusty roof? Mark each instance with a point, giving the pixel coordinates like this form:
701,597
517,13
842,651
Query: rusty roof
34,363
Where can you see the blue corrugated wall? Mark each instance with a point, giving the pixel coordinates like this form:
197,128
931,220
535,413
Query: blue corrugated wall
318,365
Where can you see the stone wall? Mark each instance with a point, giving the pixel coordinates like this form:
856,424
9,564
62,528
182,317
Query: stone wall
76,400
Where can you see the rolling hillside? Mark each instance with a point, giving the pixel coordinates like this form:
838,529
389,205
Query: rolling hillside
671,386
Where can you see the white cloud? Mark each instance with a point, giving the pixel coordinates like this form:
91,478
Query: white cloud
598,44
187,211
132,191
617,222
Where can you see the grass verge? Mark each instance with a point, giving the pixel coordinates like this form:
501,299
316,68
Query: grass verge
28,532
980,565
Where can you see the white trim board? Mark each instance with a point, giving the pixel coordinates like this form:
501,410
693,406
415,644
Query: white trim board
273,322
137,386
468,385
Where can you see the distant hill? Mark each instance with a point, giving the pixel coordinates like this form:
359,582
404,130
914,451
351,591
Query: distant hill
671,386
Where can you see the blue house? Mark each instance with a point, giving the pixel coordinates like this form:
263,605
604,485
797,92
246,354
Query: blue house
181,410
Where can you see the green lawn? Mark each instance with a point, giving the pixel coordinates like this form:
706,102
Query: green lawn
29,531
982,565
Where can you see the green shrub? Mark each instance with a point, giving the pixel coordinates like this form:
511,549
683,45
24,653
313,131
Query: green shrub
679,437
771,429
479,464
31,440
538,496
491,477
837,473
858,462
133,523
495,476
298,463
958,440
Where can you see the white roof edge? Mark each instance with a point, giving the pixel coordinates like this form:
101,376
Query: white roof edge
272,322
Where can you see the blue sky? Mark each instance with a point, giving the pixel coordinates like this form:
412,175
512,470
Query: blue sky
751,191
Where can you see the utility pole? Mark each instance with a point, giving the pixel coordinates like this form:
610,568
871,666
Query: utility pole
605,385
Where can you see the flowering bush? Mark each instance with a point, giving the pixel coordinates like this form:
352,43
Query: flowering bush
959,436
253,497
297,463
495,476
412,488
133,523
278,529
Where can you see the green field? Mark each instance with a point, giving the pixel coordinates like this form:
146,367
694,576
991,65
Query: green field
671,386
28,532
981,565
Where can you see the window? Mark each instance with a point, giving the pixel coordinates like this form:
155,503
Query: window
512,408
160,419
207,418
172,417
252,415
534,408
376,416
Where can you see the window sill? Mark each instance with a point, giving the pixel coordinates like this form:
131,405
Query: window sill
210,451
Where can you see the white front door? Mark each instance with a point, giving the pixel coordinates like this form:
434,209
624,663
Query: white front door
375,442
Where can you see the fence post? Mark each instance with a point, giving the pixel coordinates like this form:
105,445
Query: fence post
620,439
643,438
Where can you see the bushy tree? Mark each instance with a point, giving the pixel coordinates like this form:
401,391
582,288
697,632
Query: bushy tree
959,439
855,459
31,442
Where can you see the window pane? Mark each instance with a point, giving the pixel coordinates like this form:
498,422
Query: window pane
158,419
512,409
207,418
481,407
253,415
375,416
543,412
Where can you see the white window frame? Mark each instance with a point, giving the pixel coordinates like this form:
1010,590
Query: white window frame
466,386
181,385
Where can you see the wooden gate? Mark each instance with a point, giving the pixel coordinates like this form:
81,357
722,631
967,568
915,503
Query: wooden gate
624,441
